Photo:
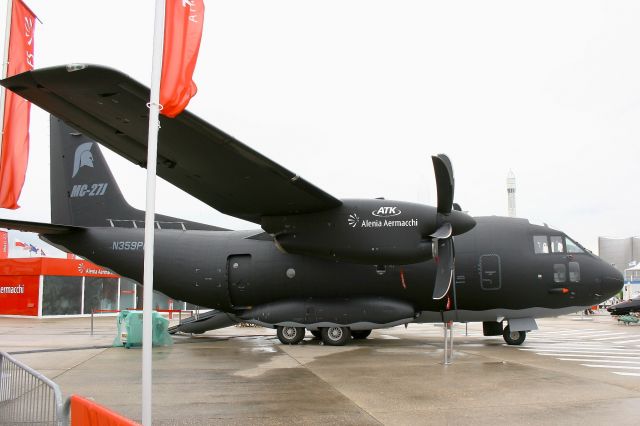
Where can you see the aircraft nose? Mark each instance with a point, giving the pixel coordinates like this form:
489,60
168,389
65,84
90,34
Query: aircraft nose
612,281
461,222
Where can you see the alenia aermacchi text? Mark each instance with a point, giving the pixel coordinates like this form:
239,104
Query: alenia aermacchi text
338,268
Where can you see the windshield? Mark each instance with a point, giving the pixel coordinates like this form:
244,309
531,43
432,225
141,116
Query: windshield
573,247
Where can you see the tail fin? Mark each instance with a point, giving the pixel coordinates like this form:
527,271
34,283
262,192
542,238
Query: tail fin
83,190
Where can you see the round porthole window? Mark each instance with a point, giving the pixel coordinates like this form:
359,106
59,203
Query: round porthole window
291,273
235,266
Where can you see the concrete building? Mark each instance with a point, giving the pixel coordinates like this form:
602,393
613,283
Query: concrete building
624,255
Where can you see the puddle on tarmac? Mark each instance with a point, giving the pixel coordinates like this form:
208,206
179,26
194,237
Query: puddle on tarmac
276,362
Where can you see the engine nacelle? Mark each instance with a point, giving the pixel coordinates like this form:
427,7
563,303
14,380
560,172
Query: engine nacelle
360,231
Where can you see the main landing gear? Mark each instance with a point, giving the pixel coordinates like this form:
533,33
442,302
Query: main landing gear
331,336
290,335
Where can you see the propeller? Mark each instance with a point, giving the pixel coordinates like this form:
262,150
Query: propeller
450,221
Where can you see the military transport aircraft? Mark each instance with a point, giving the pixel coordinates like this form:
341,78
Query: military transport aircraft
626,307
337,268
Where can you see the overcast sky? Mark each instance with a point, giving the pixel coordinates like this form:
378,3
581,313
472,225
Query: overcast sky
356,95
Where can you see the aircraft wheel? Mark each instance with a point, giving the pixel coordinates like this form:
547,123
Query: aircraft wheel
513,337
335,336
316,333
360,334
290,335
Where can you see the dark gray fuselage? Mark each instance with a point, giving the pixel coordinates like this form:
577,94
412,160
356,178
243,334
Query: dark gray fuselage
497,274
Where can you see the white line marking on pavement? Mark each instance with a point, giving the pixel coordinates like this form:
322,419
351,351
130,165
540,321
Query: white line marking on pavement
610,351
600,360
615,336
611,366
590,356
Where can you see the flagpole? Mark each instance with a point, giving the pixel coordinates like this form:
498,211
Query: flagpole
5,65
149,221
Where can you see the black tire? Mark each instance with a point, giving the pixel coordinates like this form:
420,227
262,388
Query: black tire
360,334
336,336
515,337
316,333
290,335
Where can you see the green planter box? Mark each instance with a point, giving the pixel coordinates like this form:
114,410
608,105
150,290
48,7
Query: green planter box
130,329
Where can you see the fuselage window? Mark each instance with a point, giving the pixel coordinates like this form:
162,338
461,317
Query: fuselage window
573,247
574,272
556,245
559,273
540,244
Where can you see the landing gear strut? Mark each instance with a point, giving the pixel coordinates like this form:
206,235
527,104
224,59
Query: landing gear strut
513,337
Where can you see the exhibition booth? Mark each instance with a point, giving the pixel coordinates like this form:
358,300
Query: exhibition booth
42,286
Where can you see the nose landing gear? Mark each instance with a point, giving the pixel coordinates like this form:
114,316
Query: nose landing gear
513,337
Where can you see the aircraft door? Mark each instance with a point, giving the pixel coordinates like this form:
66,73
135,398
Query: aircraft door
239,278
490,273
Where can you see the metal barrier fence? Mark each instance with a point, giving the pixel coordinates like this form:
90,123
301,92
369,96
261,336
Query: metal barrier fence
27,397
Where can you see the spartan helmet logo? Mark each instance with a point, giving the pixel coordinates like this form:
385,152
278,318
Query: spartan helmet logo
83,157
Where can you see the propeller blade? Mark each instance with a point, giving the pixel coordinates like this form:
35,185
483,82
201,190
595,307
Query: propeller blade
444,182
444,268
443,232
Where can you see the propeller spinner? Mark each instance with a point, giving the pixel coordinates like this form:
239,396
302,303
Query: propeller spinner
449,222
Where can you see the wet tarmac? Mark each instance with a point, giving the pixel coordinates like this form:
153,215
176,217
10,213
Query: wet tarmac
572,371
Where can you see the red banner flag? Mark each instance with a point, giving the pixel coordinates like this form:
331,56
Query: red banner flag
182,33
15,128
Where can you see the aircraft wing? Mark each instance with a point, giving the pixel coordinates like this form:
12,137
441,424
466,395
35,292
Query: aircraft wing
110,107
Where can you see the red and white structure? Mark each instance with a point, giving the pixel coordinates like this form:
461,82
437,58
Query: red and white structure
42,286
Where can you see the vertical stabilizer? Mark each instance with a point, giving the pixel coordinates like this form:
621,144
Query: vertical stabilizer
83,190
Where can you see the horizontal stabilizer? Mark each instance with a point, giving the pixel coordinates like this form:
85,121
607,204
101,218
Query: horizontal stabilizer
40,228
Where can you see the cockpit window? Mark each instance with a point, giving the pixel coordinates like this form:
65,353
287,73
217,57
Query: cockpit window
556,244
572,247
540,244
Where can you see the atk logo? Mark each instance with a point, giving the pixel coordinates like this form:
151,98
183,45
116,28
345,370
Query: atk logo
353,220
386,212
82,158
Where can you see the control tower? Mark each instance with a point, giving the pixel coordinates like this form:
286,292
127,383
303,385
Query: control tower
511,194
